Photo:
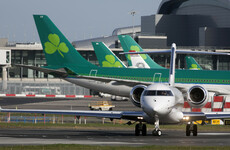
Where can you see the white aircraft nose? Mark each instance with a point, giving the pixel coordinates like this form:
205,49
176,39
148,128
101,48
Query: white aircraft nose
161,110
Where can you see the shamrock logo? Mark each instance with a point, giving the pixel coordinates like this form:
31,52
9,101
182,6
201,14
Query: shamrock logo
111,62
137,49
54,45
194,67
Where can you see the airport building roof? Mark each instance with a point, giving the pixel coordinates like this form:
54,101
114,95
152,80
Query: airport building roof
172,6
108,40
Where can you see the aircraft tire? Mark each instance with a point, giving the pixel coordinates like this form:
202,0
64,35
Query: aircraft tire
188,130
144,130
137,130
194,130
157,132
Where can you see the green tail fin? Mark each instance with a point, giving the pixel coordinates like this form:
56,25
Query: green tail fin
129,44
58,50
106,57
192,64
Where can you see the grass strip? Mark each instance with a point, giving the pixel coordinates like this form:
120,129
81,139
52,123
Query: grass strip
108,126
96,147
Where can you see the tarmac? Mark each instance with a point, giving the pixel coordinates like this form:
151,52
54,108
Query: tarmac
113,137
94,136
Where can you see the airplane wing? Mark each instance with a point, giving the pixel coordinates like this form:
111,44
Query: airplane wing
128,115
64,72
193,116
218,91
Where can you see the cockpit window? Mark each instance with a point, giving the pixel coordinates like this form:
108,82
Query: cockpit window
150,93
164,93
157,93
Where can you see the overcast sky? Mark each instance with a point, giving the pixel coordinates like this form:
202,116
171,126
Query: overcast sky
77,19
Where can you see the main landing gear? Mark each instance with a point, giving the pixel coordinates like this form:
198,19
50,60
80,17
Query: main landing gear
191,128
140,128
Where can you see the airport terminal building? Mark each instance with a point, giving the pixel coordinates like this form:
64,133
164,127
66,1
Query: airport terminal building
204,23
191,24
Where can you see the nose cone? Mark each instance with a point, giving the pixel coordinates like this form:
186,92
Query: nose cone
161,110
157,106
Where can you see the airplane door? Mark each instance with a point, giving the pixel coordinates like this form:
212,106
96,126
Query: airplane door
157,78
93,73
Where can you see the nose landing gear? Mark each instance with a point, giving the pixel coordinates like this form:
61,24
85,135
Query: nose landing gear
141,128
157,131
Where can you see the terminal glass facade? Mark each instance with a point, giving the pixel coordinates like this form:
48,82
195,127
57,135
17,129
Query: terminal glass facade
35,58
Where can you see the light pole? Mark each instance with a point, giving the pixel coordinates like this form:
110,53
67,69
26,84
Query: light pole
133,13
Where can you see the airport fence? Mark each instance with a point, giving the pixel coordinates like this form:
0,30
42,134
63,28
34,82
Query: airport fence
55,119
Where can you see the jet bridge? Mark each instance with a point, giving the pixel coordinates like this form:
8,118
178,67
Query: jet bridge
5,61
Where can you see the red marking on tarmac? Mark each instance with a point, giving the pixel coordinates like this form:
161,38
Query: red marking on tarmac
10,94
70,96
30,95
87,96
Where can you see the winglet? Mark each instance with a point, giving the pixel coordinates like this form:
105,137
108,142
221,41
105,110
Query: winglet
172,65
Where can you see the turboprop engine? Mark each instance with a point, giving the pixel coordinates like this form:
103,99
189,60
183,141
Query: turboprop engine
135,94
197,96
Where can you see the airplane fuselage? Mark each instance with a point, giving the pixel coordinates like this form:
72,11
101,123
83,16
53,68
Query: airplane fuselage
157,75
164,102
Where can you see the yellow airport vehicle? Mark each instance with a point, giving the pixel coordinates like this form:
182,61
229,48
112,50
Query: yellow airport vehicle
101,105
201,122
217,122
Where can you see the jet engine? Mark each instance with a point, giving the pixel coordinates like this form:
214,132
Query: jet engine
135,94
197,96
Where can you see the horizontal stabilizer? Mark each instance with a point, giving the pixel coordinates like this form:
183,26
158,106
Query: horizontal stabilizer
178,52
55,71
121,81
